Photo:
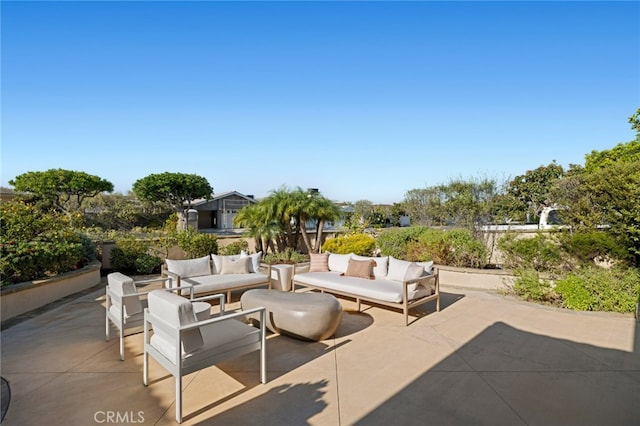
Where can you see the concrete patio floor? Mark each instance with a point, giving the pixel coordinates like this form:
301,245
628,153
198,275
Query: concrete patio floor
484,359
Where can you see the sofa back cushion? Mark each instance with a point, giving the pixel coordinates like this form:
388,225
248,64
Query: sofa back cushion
318,262
339,262
234,266
402,270
175,311
254,260
428,267
381,267
217,261
190,267
360,268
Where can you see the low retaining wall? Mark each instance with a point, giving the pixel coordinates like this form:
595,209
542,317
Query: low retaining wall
19,298
478,279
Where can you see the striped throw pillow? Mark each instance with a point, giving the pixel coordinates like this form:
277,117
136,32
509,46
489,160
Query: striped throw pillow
319,262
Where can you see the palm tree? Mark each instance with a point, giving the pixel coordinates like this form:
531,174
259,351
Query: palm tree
258,226
315,207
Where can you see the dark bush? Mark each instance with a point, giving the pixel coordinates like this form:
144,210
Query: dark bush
540,253
131,255
36,244
588,245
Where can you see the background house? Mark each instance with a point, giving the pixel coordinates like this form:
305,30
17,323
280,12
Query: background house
219,212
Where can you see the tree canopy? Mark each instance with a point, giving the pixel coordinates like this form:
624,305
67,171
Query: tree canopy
177,189
64,189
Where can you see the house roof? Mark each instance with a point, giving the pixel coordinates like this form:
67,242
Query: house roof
221,196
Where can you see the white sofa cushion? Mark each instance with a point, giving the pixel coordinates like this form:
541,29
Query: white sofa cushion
382,264
254,264
123,285
339,262
217,283
403,270
190,267
176,311
428,267
217,261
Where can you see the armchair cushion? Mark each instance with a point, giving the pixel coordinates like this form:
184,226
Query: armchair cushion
190,267
176,311
123,285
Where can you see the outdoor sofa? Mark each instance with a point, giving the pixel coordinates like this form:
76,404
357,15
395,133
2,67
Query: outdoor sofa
217,274
383,281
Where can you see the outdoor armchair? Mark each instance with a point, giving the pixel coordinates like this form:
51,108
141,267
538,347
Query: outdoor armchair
124,305
183,345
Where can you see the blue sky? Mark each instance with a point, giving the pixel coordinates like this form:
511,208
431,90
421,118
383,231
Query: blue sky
362,100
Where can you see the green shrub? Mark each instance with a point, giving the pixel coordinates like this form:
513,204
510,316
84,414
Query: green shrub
197,244
456,247
587,245
235,247
598,289
360,244
394,242
540,253
574,293
288,256
125,252
530,286
147,264
36,244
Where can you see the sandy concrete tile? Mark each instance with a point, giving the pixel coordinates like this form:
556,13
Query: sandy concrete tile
439,398
569,398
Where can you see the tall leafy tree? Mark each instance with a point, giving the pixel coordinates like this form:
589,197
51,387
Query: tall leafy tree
63,189
606,191
531,191
177,189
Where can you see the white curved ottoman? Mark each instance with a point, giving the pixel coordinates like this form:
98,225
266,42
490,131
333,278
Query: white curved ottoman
305,316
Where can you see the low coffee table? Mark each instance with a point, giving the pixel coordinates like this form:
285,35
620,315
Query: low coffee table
305,316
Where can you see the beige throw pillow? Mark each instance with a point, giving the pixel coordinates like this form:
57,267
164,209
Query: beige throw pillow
238,266
360,268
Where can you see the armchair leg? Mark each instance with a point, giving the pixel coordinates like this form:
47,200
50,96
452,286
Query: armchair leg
121,345
179,398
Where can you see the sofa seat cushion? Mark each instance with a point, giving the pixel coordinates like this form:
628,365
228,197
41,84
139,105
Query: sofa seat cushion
376,289
214,283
